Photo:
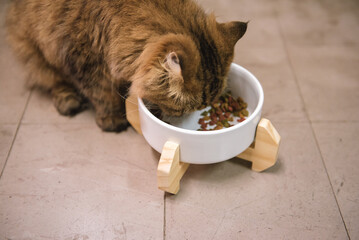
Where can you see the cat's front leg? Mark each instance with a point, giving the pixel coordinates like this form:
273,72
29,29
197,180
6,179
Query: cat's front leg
111,122
109,104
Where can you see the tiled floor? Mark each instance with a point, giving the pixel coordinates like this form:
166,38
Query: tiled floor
62,178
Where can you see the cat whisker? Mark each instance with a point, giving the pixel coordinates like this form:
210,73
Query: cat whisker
126,98
125,114
119,94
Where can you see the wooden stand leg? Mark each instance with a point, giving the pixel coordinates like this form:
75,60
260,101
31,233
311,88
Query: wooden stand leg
170,170
264,151
132,114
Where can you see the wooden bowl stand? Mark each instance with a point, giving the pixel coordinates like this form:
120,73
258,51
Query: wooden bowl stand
263,152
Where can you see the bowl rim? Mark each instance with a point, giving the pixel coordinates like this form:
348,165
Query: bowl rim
221,131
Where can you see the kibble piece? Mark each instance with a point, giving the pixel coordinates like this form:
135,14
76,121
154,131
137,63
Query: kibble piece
218,127
215,105
226,124
241,119
206,118
245,112
205,113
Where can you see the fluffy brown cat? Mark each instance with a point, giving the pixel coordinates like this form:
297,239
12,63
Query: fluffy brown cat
170,53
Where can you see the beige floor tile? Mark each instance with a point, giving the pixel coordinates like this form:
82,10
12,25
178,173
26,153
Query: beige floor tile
41,110
7,134
339,143
293,200
13,95
262,32
233,9
323,49
318,23
262,28
328,79
63,181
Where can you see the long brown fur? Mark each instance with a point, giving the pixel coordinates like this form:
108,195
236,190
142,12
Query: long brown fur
170,53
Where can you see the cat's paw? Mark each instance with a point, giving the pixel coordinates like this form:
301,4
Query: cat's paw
112,123
69,104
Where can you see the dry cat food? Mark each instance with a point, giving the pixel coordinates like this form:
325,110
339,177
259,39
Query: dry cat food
224,113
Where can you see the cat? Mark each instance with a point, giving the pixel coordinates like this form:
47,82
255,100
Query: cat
170,53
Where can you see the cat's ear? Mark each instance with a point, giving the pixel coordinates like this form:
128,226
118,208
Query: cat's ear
233,31
175,79
172,63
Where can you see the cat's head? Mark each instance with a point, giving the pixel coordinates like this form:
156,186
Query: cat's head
181,72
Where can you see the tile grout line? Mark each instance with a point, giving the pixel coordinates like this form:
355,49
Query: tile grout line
164,216
310,122
16,132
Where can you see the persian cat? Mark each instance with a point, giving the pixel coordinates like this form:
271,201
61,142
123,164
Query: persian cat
170,53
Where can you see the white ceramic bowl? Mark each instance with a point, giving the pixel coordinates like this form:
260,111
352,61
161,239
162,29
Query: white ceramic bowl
204,147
